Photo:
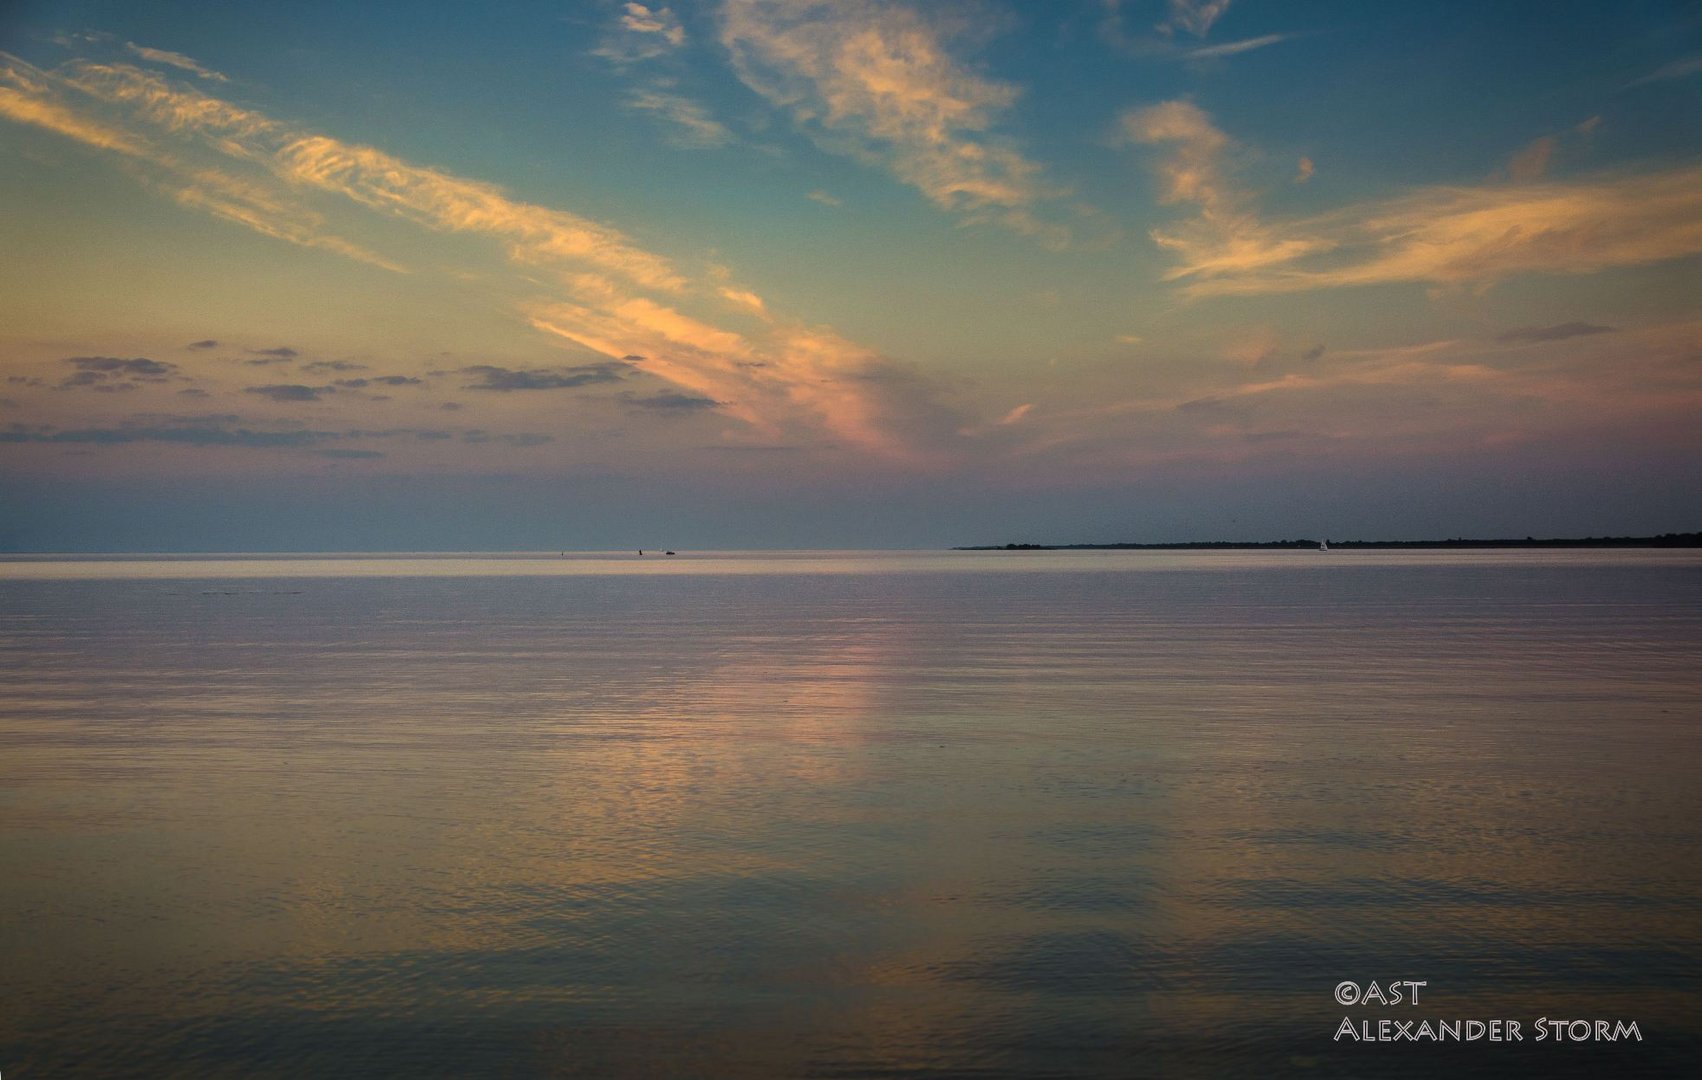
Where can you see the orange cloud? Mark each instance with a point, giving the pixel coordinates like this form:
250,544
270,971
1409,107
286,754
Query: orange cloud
31,96
743,298
793,378
796,378
1479,235
1532,161
438,200
176,60
876,83
1227,236
1445,236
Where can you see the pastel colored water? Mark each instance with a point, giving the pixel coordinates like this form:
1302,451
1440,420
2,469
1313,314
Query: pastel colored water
1049,814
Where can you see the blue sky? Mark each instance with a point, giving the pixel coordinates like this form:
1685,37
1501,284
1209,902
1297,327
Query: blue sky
762,273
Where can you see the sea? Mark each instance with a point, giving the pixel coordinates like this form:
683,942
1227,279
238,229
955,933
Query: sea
1037,814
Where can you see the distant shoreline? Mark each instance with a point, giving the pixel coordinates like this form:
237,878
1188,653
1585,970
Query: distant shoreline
1664,540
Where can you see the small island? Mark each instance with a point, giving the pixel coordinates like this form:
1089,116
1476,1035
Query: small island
1664,540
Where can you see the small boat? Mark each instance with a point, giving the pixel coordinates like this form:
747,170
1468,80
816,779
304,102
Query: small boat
1323,545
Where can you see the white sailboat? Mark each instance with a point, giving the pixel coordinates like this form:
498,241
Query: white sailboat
1324,545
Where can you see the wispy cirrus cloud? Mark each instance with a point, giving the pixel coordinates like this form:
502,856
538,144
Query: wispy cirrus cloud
29,95
1194,16
1166,40
1681,68
1391,372
792,370
639,32
176,60
534,234
1476,236
146,107
638,41
877,83
689,122
1235,48
591,284
1442,236
253,205
1227,235
62,102
744,298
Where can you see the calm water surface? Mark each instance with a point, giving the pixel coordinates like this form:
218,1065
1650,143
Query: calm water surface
1050,814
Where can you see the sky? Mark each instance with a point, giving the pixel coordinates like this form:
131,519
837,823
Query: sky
798,273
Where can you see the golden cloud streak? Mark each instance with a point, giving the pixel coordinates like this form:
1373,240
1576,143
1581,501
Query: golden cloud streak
877,83
1442,236
793,378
